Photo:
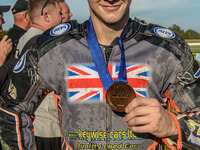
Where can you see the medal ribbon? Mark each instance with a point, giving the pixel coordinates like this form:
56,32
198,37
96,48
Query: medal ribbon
99,61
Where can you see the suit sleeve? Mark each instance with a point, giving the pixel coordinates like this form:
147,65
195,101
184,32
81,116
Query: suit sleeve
183,103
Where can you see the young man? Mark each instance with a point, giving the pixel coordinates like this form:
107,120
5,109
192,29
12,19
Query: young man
97,68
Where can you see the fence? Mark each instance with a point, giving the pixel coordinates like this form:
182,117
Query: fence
195,48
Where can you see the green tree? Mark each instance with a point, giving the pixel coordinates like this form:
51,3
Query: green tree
191,34
177,29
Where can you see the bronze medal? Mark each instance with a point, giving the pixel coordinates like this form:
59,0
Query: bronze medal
119,95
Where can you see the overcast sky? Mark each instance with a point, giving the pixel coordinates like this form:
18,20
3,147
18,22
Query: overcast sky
185,13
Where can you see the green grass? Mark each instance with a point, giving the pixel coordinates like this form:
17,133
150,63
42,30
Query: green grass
195,50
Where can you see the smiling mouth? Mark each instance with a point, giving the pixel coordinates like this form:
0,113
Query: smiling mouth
111,8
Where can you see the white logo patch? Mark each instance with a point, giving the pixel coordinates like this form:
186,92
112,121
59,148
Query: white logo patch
60,29
20,65
165,33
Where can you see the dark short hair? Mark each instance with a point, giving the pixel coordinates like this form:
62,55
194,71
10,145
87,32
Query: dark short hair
35,6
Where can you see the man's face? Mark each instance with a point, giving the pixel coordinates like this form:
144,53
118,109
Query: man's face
56,15
1,22
109,11
65,11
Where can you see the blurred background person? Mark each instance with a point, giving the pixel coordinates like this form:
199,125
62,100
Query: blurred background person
3,9
44,15
65,11
46,123
22,20
5,43
22,23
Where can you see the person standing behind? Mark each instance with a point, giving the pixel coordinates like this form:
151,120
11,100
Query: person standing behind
44,15
22,20
41,20
22,23
65,11
46,124
5,42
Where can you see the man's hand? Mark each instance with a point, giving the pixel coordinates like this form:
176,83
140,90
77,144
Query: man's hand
146,115
5,49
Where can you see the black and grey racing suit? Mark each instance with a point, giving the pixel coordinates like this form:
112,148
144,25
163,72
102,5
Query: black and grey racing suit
159,65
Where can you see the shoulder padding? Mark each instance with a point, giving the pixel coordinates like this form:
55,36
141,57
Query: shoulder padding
56,32
176,45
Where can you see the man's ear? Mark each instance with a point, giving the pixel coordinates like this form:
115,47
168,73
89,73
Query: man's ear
26,16
46,15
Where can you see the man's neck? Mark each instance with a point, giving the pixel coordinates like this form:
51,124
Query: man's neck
38,26
21,25
106,33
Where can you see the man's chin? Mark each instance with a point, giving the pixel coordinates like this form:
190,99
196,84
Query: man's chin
1,30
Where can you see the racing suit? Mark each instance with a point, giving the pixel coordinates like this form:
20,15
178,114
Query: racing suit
159,65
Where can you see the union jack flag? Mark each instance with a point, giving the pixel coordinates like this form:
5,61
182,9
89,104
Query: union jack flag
84,85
